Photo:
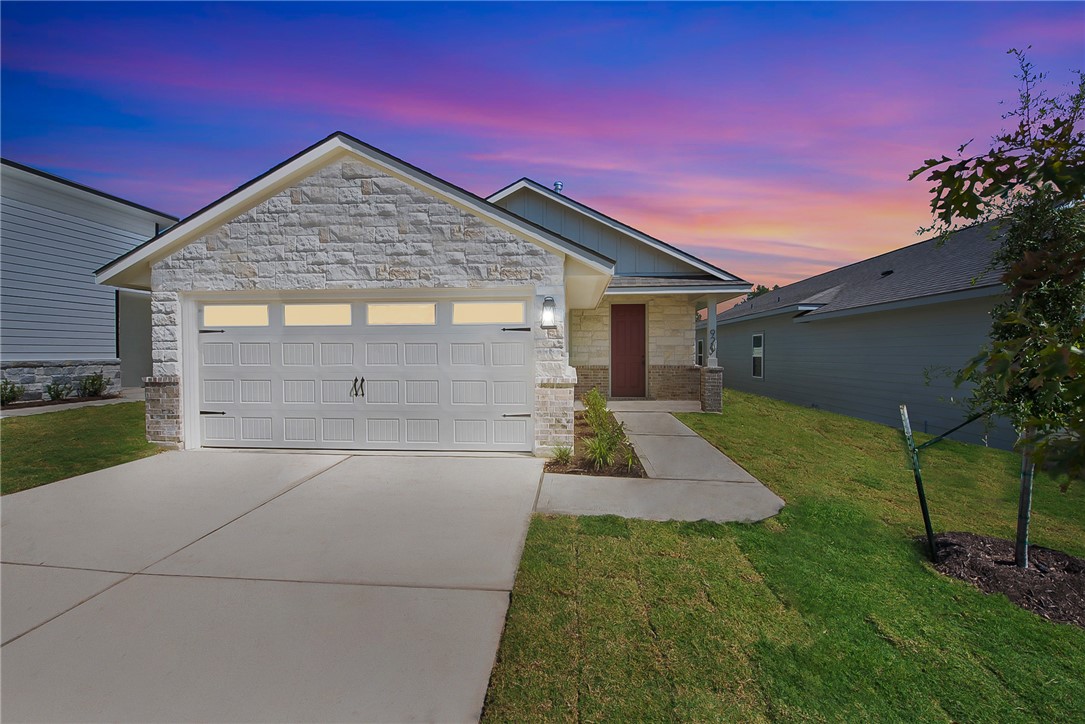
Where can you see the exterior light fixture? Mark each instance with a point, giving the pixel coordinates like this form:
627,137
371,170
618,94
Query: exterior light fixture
549,314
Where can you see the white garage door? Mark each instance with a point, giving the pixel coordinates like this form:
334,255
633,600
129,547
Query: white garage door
433,375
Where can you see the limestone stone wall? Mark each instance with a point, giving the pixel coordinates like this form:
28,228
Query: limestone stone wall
34,375
350,226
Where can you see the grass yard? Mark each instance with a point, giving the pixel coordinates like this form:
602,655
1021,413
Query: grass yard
826,612
39,449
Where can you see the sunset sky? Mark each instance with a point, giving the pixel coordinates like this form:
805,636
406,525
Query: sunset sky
774,140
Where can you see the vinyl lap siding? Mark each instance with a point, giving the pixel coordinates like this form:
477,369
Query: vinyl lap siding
631,255
867,365
52,241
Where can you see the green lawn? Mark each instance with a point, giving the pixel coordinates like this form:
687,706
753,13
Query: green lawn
39,449
827,612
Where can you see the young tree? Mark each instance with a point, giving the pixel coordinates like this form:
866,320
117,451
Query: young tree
1030,184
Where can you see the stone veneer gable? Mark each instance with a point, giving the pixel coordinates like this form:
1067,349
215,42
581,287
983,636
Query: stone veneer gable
351,226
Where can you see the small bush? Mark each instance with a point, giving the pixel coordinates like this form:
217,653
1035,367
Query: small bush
563,455
595,410
600,451
93,385
10,392
630,457
58,390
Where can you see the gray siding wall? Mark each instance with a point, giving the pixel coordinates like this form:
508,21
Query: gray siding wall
632,256
868,365
52,238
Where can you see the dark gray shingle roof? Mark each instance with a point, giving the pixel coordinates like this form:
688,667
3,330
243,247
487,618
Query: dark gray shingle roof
924,269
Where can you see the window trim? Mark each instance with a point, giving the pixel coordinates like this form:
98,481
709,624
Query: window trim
757,352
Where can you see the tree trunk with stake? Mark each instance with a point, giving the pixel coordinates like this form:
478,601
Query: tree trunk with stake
1024,504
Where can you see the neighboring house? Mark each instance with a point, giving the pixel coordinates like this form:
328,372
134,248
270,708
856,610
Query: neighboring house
56,324
346,299
865,338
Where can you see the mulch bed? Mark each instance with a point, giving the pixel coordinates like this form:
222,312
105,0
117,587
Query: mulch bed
579,466
1053,585
65,401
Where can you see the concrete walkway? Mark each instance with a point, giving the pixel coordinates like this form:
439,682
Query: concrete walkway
688,479
251,586
128,394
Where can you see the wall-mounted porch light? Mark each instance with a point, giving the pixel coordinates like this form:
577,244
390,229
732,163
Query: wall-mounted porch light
549,314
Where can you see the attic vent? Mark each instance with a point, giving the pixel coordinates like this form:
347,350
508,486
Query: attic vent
559,185
887,272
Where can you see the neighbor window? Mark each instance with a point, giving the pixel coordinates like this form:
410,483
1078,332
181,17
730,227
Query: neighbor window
759,355
235,315
316,315
408,313
700,353
488,313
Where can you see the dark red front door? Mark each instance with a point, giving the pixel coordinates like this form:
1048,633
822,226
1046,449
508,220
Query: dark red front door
627,350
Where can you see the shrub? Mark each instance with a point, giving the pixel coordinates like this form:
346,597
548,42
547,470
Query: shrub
630,457
600,451
93,385
58,390
10,392
563,455
595,410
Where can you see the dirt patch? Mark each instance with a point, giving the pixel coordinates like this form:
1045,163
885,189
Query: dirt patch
50,403
1053,585
579,465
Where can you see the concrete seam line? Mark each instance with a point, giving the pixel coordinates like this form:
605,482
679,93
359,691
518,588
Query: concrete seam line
70,608
538,489
300,581
304,480
128,576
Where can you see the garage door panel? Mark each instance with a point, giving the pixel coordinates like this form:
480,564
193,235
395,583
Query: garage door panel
432,386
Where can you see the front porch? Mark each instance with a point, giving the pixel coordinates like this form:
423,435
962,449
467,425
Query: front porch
643,348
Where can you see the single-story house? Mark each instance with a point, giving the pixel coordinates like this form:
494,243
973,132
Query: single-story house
56,324
865,338
347,299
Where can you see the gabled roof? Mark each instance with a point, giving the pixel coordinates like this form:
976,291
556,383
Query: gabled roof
704,266
927,271
80,187
133,268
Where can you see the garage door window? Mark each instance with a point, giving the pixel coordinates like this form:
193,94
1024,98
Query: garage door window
235,315
316,315
488,313
411,313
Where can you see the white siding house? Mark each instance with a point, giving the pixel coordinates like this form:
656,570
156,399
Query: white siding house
55,322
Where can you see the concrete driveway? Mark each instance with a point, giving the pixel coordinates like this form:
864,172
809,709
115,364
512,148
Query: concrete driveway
230,586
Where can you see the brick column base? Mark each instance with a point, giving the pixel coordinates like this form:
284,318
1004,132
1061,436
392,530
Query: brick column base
553,416
164,425
712,389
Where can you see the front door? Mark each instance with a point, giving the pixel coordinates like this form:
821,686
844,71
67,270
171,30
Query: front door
627,350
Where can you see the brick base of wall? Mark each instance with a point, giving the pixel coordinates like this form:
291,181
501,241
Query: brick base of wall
711,389
35,375
589,376
164,425
674,382
553,416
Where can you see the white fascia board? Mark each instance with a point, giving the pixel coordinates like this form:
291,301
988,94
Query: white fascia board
616,225
127,272
959,296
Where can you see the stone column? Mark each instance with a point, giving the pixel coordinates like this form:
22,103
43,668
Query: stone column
711,357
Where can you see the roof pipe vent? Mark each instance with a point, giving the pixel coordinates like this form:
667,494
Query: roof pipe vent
559,185
887,272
